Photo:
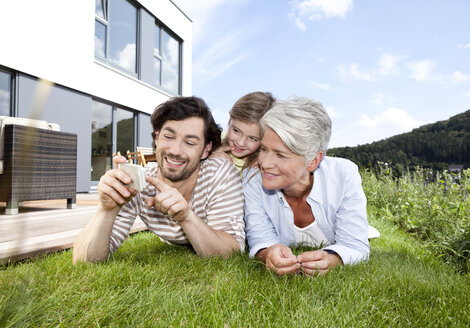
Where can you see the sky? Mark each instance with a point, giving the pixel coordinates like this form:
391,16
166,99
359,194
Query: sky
379,67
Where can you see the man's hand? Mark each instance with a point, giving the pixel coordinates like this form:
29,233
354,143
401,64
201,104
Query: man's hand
318,263
112,190
168,200
280,259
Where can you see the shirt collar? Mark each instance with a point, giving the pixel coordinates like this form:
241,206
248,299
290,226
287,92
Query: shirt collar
316,194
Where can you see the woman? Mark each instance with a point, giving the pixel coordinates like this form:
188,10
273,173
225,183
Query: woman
302,197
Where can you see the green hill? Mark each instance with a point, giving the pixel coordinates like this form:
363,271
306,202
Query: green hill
435,146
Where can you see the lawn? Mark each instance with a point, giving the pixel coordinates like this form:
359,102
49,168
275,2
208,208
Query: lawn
148,283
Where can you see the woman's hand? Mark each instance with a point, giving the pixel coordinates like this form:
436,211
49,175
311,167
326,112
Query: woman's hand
280,259
318,263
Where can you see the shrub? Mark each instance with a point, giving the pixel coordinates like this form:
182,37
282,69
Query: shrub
436,211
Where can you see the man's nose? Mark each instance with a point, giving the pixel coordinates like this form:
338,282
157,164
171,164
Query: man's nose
176,148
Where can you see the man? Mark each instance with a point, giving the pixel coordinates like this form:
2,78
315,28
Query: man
189,199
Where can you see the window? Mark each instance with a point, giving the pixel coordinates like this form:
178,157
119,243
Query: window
116,33
157,59
112,130
124,131
101,139
101,28
5,94
167,53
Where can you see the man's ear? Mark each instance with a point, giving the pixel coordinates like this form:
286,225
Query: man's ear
312,166
206,151
155,138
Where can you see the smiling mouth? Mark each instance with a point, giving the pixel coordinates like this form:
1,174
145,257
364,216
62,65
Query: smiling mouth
269,175
237,149
173,163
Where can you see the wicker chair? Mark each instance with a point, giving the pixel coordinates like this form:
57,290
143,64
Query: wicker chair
38,164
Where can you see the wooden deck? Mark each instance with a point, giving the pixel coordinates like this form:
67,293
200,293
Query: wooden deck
45,226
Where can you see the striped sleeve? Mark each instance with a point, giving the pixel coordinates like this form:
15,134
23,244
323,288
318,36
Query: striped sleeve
123,223
221,191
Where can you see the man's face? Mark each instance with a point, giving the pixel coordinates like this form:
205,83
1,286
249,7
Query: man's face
180,148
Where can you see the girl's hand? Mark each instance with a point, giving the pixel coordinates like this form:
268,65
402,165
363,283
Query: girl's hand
222,153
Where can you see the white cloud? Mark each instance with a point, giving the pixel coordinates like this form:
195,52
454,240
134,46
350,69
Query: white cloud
322,86
388,64
126,57
317,9
378,98
222,48
421,70
368,129
220,56
459,77
392,118
331,112
467,93
300,25
201,12
460,45
352,71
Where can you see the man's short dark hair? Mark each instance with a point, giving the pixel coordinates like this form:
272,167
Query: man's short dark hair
181,108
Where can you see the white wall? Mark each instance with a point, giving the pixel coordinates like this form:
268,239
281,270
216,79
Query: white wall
54,40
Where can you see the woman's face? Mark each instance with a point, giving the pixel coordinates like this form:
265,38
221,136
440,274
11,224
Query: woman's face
280,167
243,138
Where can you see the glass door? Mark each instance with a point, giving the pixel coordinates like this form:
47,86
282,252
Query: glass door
124,131
112,131
101,139
5,94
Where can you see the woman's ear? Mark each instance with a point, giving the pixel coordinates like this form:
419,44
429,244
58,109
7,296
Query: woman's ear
312,166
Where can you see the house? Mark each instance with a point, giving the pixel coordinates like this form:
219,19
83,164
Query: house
97,68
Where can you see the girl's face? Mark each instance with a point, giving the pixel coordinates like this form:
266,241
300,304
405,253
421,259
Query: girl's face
243,138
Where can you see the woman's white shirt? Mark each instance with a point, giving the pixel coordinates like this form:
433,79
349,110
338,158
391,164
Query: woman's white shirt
310,235
337,201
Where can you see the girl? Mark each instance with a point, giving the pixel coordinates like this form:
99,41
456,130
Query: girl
240,144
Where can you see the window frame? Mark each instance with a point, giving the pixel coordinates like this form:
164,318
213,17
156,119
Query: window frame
11,110
105,22
114,138
163,28
106,59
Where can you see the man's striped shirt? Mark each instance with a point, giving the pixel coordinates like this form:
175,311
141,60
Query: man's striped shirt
217,200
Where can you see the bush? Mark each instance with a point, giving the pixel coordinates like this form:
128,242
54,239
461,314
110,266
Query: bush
436,210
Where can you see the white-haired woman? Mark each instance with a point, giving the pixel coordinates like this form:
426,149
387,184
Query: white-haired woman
302,197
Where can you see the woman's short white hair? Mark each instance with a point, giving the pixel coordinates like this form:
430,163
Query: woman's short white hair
302,124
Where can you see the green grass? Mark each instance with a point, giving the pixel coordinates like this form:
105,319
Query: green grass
150,284
417,276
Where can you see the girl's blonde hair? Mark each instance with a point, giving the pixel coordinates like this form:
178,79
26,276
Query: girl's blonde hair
250,109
